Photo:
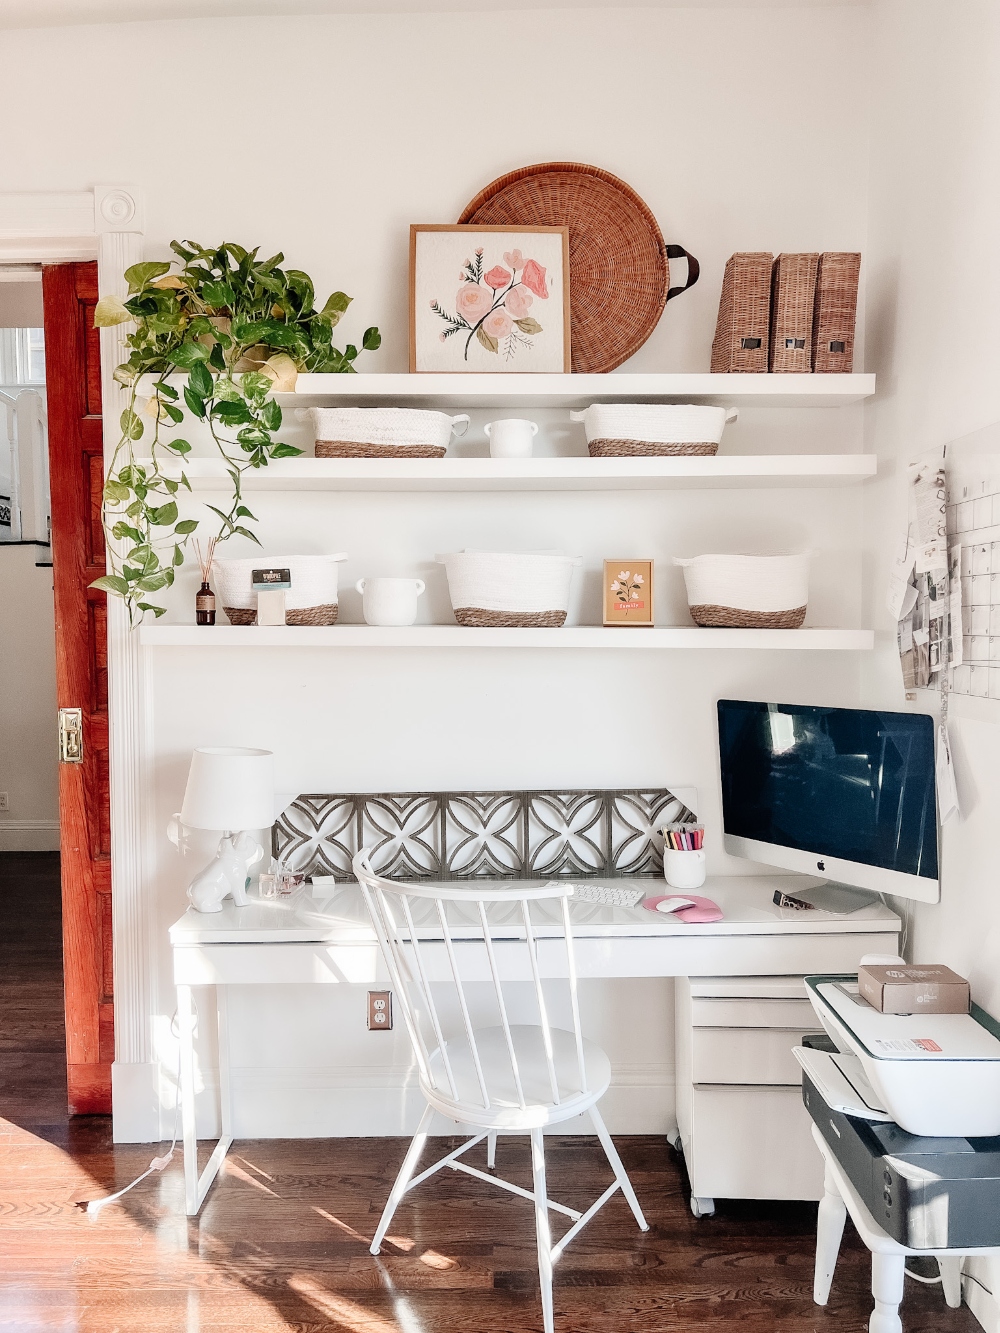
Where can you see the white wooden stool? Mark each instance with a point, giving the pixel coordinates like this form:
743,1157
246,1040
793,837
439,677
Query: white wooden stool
888,1255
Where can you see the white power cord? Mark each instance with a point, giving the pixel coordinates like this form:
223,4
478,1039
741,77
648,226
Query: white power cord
94,1206
928,1281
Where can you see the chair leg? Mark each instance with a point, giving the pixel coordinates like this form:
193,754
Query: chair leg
621,1175
887,1288
491,1149
951,1279
829,1233
403,1179
542,1233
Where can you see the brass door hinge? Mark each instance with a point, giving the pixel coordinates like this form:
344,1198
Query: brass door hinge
71,735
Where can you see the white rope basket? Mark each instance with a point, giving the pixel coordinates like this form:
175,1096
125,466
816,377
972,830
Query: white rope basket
747,591
655,423
492,587
400,428
313,577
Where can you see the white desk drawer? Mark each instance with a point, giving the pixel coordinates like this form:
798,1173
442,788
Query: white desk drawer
752,1143
755,1013
746,1055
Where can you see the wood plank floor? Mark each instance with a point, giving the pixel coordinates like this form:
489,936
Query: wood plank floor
282,1241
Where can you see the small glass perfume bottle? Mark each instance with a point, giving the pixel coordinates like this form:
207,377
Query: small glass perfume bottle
204,605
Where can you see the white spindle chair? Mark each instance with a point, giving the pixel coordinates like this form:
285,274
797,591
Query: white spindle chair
507,1079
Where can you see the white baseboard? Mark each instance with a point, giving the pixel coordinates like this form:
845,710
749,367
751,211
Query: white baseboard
136,1103
980,1302
29,835
350,1102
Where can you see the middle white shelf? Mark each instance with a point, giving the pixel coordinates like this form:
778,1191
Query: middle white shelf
536,474
456,636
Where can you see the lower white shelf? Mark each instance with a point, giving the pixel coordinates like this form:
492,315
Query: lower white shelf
455,636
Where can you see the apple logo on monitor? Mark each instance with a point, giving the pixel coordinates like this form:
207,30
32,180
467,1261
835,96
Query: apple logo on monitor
820,865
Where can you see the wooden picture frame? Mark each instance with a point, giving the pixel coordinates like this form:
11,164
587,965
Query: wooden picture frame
628,592
489,329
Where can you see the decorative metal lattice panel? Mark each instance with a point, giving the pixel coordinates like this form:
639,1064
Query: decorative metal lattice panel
480,835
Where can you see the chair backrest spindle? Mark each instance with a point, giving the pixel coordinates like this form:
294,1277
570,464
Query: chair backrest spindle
426,932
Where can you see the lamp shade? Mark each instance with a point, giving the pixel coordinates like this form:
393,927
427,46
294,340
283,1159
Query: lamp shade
229,788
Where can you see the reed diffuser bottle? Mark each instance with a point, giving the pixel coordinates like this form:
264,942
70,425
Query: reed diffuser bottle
204,602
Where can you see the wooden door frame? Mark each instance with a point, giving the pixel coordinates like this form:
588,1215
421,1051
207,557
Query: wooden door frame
106,223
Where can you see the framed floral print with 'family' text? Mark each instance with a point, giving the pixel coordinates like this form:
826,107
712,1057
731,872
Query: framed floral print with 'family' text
489,299
628,592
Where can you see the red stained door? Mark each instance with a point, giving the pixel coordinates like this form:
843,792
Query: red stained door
76,464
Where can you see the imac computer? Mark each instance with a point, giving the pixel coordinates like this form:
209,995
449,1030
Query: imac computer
842,793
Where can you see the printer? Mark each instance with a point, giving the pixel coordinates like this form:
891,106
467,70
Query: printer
934,1074
925,1163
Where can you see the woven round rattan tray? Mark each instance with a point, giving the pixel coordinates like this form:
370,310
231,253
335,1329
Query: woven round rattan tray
618,259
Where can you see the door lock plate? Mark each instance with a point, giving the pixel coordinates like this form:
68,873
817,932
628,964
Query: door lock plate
71,735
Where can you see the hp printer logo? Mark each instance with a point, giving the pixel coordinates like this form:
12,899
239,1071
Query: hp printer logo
820,865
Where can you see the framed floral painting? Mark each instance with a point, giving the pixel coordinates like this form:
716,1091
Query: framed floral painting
628,592
489,299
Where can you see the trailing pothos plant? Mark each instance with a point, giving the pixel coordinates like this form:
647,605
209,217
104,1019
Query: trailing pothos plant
241,329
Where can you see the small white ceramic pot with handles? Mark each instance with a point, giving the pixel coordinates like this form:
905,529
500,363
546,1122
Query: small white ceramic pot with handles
390,601
683,869
511,438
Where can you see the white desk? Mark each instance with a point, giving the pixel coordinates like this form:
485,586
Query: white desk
330,941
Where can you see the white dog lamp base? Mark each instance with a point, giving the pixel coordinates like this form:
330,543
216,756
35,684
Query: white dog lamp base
227,875
228,788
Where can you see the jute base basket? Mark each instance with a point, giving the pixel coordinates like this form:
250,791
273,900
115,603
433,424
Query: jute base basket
645,449
478,618
351,449
310,615
732,617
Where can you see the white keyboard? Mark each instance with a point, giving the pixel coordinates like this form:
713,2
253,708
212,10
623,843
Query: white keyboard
607,897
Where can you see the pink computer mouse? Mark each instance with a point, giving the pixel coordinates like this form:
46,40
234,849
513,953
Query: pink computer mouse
701,909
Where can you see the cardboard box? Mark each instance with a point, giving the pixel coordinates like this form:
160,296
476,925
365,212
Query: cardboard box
902,989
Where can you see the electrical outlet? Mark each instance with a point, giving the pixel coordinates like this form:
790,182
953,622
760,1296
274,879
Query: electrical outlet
4,801
379,1010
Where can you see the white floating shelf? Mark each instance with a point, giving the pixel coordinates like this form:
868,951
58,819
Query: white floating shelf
534,474
455,636
465,391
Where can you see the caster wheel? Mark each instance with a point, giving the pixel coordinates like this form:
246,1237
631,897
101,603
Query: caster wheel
702,1207
674,1139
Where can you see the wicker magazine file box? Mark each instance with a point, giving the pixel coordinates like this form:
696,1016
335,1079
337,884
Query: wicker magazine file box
742,329
835,312
793,292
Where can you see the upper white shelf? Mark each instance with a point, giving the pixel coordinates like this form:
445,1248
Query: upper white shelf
535,474
574,391
455,636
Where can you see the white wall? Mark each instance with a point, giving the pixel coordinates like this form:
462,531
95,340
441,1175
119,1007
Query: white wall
28,762
933,290
375,122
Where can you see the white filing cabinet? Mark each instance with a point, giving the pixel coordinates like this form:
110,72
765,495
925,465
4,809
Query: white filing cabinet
743,1129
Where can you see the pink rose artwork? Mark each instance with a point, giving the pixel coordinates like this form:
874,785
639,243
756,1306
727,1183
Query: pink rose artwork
473,302
534,277
518,302
497,277
498,324
492,306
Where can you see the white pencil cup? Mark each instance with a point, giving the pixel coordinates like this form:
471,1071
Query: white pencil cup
390,601
684,870
512,438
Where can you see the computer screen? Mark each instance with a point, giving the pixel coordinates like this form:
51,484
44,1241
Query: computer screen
840,783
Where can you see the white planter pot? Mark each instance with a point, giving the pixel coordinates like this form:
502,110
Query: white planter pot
390,601
616,429
311,600
747,591
521,589
382,432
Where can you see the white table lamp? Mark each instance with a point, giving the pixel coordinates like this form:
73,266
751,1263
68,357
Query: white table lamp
230,789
